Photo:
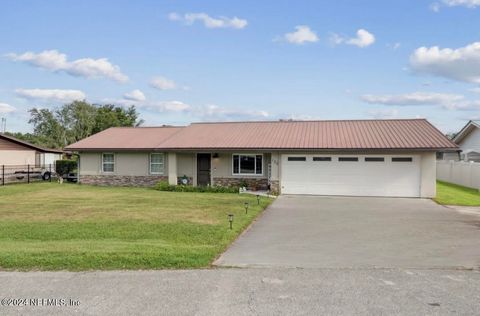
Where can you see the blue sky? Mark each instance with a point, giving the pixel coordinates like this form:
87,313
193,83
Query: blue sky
186,61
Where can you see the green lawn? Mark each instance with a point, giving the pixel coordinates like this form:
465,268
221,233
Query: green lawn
452,194
50,226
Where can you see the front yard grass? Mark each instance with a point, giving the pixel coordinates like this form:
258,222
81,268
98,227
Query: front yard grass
49,226
452,194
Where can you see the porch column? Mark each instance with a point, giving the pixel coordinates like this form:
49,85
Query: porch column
172,169
275,173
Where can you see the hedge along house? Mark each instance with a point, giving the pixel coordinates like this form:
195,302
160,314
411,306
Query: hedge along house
356,157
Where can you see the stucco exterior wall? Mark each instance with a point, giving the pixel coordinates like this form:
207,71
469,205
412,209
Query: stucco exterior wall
428,175
186,165
126,164
17,157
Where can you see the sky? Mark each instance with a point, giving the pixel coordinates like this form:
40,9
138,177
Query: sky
190,61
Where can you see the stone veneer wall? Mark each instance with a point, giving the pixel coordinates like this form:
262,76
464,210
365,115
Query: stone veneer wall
122,181
275,187
261,184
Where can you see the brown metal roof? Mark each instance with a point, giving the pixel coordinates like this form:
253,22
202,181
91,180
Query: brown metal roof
29,145
282,135
126,138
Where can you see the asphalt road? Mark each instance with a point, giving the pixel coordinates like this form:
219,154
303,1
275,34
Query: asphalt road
247,292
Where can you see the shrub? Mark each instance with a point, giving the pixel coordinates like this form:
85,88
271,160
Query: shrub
65,166
164,186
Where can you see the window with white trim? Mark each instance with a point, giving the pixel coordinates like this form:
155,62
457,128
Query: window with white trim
157,161
108,162
247,164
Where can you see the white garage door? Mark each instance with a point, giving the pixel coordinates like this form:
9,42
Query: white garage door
354,175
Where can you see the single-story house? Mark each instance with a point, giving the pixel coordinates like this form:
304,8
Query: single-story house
468,139
15,152
352,157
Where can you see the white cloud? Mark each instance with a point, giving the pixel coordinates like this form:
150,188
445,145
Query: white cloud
464,3
363,39
207,112
204,112
6,108
55,61
303,34
475,90
298,117
471,4
135,95
163,83
167,106
415,98
464,105
51,95
208,21
215,112
446,101
383,114
462,64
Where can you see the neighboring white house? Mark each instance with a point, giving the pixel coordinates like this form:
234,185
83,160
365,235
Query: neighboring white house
468,139
15,152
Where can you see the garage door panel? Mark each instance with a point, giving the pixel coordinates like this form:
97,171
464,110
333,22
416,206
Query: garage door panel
360,178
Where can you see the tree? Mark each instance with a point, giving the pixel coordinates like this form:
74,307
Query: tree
110,116
72,122
47,127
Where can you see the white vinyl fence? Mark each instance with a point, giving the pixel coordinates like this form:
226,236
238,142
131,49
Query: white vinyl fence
459,172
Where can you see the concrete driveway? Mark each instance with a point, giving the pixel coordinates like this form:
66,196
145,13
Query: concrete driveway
350,232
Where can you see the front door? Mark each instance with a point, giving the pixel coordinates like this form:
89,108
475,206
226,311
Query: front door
203,169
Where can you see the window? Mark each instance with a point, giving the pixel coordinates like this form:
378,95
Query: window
402,159
322,158
373,159
297,159
348,159
248,164
108,162
156,163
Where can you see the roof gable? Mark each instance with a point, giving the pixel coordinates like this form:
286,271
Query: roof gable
466,130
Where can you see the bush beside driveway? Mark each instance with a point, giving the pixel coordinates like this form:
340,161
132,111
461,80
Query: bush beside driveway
48,226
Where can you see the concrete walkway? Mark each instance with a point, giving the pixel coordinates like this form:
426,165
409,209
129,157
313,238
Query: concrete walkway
349,232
